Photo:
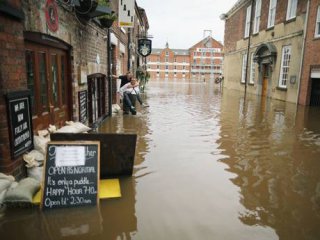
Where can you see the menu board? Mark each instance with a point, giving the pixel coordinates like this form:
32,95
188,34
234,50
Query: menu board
83,103
20,122
71,174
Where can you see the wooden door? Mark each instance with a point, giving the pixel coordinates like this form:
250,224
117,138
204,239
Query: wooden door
265,80
47,78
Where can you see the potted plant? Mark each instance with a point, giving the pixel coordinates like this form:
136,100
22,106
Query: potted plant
106,20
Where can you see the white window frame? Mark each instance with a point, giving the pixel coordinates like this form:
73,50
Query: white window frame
252,70
272,13
243,69
285,66
257,16
292,9
317,30
247,26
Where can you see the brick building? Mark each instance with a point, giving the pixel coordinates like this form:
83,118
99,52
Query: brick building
169,63
264,45
201,61
310,79
54,59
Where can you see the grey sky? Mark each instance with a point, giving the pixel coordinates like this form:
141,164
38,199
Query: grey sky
182,22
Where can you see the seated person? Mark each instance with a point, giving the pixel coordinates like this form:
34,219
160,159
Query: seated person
130,93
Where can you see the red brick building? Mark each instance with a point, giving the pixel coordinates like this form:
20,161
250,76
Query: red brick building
310,79
201,61
169,63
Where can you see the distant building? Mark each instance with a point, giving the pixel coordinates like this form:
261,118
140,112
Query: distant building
271,47
201,61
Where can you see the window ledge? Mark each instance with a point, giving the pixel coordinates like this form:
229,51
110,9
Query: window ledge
290,20
284,89
270,28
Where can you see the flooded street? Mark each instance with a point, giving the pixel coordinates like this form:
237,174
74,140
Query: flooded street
209,164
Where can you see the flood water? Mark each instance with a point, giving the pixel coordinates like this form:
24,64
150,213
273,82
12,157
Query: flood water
209,164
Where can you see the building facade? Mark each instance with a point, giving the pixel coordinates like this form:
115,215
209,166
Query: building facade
201,61
310,79
264,47
206,58
169,63
55,54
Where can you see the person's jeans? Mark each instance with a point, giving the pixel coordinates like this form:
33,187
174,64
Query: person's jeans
129,100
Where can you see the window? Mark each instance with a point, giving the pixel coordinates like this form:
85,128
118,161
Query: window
167,60
247,27
256,23
317,32
285,62
167,53
292,9
244,65
272,13
252,70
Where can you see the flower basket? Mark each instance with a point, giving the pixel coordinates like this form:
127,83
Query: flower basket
106,22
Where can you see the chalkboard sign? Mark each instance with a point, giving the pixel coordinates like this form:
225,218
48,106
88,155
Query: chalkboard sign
83,103
20,122
71,174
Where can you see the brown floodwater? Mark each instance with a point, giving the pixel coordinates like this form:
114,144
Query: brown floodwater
209,164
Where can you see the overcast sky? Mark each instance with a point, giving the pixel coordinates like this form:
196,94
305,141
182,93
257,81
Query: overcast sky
181,23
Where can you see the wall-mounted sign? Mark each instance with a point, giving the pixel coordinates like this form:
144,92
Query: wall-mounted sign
126,13
51,13
71,174
20,122
144,47
83,106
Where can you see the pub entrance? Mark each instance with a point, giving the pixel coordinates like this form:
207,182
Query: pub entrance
48,79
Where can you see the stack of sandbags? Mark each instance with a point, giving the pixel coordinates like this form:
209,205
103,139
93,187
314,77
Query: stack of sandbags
5,183
34,164
21,194
74,127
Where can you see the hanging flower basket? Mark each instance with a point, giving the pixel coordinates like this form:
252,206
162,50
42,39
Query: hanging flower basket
105,22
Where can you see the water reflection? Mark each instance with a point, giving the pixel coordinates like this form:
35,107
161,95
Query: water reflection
276,163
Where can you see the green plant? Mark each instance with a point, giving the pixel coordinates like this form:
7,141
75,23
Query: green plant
110,16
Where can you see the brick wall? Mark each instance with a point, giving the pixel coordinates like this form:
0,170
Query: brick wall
12,78
311,55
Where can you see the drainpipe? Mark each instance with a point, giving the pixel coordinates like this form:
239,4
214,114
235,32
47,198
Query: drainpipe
248,49
109,72
303,49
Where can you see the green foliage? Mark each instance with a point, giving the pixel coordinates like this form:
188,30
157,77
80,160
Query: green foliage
143,76
110,16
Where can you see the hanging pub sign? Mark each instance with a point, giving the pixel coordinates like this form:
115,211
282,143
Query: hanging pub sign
144,47
51,13
20,122
126,13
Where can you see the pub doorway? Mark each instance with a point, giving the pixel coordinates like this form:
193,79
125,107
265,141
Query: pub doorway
48,79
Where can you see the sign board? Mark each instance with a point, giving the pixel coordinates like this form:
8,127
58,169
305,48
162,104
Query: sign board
83,106
117,158
20,122
71,174
126,13
144,47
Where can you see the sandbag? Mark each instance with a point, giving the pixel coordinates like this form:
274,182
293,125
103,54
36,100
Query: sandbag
23,192
35,173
